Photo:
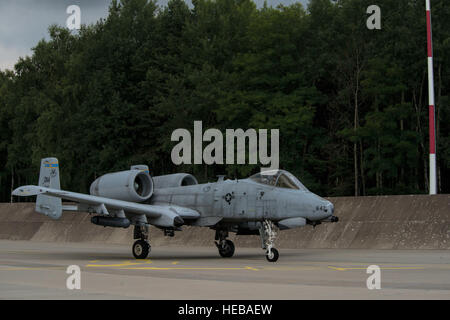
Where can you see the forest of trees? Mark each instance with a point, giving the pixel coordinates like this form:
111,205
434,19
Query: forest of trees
351,103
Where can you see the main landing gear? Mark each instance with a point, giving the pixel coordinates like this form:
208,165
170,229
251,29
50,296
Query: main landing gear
141,248
268,234
226,247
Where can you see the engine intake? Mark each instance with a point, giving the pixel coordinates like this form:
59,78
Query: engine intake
174,180
130,185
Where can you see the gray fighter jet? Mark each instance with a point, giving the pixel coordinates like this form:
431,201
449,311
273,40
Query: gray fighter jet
259,205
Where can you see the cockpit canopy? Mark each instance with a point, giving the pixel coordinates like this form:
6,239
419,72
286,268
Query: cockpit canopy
278,178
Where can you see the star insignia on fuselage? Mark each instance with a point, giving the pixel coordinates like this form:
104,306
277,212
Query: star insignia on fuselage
228,198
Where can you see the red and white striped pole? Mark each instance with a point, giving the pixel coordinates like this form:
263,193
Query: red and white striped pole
431,112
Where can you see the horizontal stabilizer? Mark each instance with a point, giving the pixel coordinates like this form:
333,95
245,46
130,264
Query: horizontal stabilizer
27,191
70,208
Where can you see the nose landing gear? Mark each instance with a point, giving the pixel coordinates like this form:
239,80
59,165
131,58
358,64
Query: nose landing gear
272,255
268,234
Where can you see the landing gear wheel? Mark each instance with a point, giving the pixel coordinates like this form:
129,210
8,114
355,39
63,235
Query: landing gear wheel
268,233
273,255
141,248
227,250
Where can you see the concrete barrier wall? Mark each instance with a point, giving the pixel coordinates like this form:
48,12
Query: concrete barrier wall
381,222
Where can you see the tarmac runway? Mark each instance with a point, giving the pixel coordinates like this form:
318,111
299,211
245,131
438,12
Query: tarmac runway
37,270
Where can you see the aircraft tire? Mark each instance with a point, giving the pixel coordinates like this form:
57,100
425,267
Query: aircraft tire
228,251
274,256
141,248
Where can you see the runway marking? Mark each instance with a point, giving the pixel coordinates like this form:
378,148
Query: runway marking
382,268
191,268
124,264
130,265
251,268
303,268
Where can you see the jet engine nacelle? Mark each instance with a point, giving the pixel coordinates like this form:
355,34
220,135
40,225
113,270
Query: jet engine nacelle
174,180
131,185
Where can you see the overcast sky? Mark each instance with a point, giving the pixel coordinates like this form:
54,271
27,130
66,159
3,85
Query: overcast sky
24,22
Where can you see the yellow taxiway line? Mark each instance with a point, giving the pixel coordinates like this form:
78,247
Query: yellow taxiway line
125,264
191,268
131,265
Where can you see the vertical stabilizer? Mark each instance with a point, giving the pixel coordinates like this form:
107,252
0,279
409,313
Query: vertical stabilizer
49,178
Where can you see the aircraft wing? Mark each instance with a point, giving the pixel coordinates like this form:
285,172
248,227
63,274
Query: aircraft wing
161,214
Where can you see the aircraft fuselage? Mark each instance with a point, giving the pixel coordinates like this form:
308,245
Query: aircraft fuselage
245,200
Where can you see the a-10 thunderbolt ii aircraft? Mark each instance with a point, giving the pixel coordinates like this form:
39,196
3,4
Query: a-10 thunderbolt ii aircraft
258,205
